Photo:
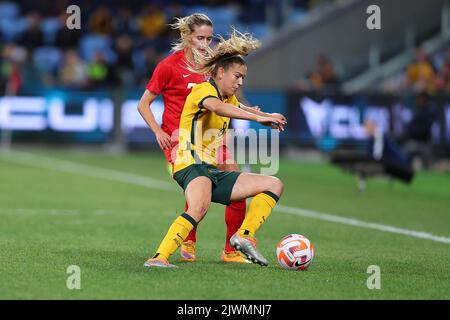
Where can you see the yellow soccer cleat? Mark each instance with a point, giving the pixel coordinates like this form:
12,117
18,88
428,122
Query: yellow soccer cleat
233,256
188,251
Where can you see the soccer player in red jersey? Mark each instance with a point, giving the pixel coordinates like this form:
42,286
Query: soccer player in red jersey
174,81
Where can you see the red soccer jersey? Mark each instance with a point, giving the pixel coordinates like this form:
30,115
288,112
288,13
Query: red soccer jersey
174,82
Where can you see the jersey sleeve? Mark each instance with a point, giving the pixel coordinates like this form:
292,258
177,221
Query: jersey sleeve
159,79
204,92
234,101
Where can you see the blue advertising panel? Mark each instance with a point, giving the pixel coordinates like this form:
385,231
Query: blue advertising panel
333,120
321,121
59,116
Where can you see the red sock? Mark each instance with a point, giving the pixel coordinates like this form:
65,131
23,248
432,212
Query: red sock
234,215
192,235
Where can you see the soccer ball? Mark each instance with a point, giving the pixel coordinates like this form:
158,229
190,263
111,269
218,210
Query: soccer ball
295,252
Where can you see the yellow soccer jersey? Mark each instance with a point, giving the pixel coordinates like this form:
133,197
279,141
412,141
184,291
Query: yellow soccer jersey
201,132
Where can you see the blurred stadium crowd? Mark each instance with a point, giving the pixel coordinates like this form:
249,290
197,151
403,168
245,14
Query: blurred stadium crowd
424,74
429,74
119,42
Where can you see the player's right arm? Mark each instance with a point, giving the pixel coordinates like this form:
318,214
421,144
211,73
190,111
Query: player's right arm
144,108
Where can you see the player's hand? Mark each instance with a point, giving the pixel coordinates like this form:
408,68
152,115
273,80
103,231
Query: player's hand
279,116
272,122
163,140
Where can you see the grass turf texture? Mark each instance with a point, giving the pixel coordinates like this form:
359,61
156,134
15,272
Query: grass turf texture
52,219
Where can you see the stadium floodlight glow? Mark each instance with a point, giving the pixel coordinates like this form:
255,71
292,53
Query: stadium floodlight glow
345,123
316,115
22,113
131,119
341,121
240,124
39,114
85,122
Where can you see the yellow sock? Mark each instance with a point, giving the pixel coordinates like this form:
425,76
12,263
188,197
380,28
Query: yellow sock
258,211
178,231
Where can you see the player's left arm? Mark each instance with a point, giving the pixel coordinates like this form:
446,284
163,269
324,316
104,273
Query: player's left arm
257,110
244,105
230,110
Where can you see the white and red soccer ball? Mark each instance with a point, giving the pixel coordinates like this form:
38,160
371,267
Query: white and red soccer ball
295,252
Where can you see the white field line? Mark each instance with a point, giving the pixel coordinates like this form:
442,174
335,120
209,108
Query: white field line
92,171
30,159
32,211
358,223
71,212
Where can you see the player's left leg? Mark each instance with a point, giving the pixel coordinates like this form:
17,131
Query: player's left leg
265,191
188,247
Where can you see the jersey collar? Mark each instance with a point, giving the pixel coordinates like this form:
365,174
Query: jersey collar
185,59
211,80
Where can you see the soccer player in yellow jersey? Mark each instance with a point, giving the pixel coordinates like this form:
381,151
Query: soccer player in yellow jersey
203,124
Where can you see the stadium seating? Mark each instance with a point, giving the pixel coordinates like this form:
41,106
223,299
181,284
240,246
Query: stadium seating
92,44
50,27
14,22
47,59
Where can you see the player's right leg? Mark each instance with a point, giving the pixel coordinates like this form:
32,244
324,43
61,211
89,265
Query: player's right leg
198,197
188,247
265,190
187,250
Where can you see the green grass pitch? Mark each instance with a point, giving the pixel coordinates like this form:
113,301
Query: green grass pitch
51,218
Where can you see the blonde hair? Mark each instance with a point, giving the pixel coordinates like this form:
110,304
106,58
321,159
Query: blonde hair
186,26
225,53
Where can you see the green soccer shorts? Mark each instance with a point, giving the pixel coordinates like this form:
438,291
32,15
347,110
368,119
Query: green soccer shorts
222,181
